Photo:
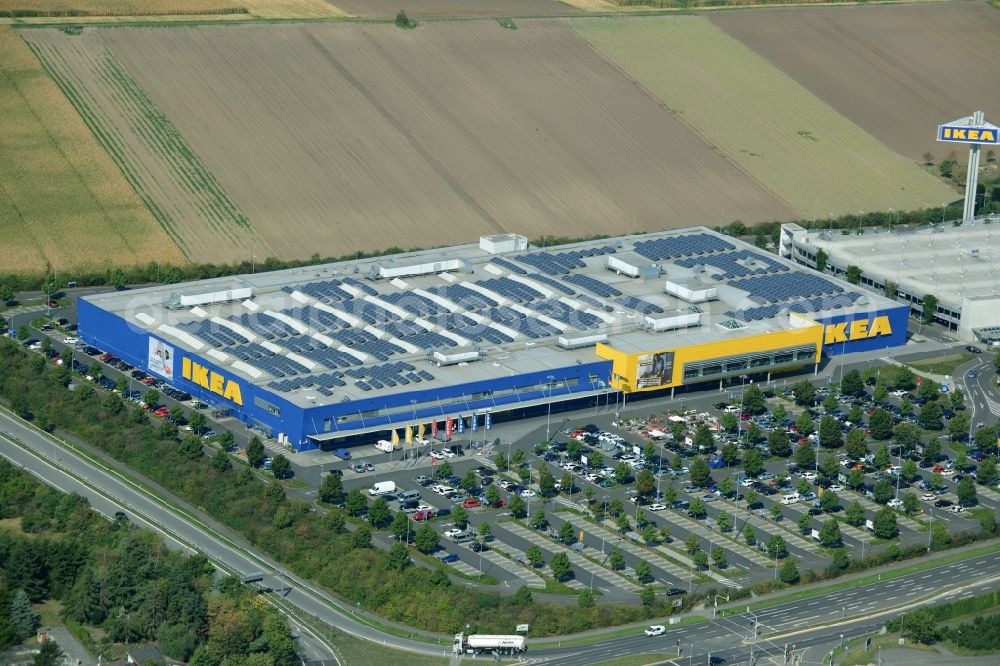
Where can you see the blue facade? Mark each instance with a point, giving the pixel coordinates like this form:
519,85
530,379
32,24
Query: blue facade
269,411
838,339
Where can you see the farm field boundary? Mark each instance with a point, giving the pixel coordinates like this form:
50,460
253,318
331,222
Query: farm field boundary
167,175
789,140
63,202
31,9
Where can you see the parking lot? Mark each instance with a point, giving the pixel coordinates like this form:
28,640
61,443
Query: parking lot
622,507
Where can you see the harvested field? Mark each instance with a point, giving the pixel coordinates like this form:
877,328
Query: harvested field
63,202
123,8
783,135
457,7
897,71
334,137
154,158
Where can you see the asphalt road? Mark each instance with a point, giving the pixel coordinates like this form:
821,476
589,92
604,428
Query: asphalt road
108,493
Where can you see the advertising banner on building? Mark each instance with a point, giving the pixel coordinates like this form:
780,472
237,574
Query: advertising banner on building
161,359
475,422
461,424
655,369
447,427
489,421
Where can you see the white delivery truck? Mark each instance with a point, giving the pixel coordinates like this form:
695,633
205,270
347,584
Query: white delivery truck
384,445
485,643
382,488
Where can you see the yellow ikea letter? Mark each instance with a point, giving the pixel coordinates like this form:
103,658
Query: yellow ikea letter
199,374
186,368
233,393
216,383
880,326
859,329
836,333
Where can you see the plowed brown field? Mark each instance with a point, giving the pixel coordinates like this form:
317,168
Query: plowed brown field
457,7
332,138
896,71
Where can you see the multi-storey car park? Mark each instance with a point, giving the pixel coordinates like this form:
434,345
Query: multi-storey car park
957,265
451,339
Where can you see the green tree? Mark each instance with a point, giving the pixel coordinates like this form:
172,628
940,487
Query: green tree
932,450
905,379
883,491
255,452
729,422
778,444
805,456
853,274
361,537
546,482
485,532
905,407
730,452
857,444
988,523
280,466
749,534
958,426
987,472
355,504
957,399
830,403
23,619
829,501
6,294
930,416
399,556
691,543
804,392
704,439
940,536
649,533
821,257
882,459
802,487
643,571
855,514
220,462
776,514
805,424
378,512
152,396
966,491
928,308
789,572
754,400
492,495
539,521
697,508
910,503
829,467
909,471
566,533
725,521
885,524
460,516
50,654
776,547
23,333
444,469
332,489
534,556
560,566
752,462
829,432
426,539
906,436
645,483
700,474
700,560
719,558
855,479
805,523
622,473
829,534
779,413
881,394
727,486
921,626
400,526
517,507
880,423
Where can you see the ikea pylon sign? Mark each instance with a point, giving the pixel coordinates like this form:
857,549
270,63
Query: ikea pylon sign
983,135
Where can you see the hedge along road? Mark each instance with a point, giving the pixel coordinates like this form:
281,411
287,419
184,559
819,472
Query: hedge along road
64,468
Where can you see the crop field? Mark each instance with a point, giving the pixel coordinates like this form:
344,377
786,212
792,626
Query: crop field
897,72
457,7
154,158
122,8
784,136
332,137
63,201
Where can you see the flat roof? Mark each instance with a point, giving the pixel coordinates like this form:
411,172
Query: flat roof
334,332
950,262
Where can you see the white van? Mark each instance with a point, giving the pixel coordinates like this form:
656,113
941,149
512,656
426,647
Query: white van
791,498
382,488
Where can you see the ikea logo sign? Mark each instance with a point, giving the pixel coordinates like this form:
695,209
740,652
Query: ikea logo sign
211,380
859,329
955,134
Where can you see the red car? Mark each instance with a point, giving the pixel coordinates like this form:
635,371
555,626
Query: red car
148,380
426,514
162,412
106,357
500,503
471,503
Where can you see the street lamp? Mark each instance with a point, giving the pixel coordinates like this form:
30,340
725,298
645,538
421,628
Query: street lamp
548,413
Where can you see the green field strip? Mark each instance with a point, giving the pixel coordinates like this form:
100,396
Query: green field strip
790,141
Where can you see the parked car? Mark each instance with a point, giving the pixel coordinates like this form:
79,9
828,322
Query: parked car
656,630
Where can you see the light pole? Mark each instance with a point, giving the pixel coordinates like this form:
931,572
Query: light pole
548,413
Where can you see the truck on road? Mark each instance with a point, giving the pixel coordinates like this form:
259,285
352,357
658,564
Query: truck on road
480,643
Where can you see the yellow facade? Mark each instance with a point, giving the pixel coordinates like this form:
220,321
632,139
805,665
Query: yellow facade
625,364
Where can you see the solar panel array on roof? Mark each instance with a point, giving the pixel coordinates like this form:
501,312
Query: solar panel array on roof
464,297
555,284
327,291
561,312
320,320
833,302
264,359
520,322
213,334
264,325
564,262
416,334
387,374
593,302
592,285
728,268
414,303
681,246
368,312
509,265
511,289
367,343
785,286
639,305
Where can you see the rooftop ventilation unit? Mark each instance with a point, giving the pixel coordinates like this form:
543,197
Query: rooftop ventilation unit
455,355
675,321
581,341
177,301
500,243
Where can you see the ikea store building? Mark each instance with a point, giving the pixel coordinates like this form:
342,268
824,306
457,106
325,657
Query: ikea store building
450,340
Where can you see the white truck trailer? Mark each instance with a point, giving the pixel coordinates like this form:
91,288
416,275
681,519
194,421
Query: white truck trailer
382,488
485,643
